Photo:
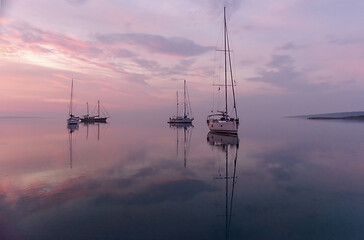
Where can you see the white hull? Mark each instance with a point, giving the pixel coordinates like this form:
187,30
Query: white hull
180,120
72,121
223,126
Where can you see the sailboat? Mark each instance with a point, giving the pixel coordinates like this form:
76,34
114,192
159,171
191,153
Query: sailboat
92,119
72,120
220,121
187,111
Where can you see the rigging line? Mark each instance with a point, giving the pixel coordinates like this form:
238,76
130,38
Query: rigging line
94,110
70,110
184,98
225,56
231,76
189,103
104,109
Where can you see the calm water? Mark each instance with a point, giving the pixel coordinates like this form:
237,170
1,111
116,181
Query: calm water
282,179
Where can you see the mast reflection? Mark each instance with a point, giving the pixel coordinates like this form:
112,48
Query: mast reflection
187,134
227,144
71,128
97,124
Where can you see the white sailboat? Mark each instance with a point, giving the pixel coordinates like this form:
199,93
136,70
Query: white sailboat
187,111
72,120
221,121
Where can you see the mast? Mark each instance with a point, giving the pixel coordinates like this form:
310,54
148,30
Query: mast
177,103
87,108
184,98
70,110
225,53
98,108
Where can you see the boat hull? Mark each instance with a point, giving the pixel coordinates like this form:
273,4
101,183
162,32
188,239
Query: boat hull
72,121
180,120
94,120
223,126
100,120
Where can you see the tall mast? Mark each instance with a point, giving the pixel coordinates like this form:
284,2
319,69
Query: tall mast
70,112
98,108
177,103
225,51
184,95
87,108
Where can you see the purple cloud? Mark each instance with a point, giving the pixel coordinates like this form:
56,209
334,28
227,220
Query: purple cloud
76,1
346,40
281,72
157,44
290,46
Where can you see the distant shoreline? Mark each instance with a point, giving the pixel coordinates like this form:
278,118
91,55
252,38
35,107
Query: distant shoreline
360,117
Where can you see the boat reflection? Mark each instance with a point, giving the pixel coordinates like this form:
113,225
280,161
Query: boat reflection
229,145
222,140
187,134
87,124
71,129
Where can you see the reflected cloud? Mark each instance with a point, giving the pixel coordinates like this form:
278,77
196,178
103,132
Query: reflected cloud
282,164
175,191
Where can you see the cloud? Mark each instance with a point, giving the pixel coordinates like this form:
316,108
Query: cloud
216,6
136,78
176,46
33,36
290,46
346,40
76,1
281,72
124,53
60,51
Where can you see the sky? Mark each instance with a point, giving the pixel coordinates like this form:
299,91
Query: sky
290,57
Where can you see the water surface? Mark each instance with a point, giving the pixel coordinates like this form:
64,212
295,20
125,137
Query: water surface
282,178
